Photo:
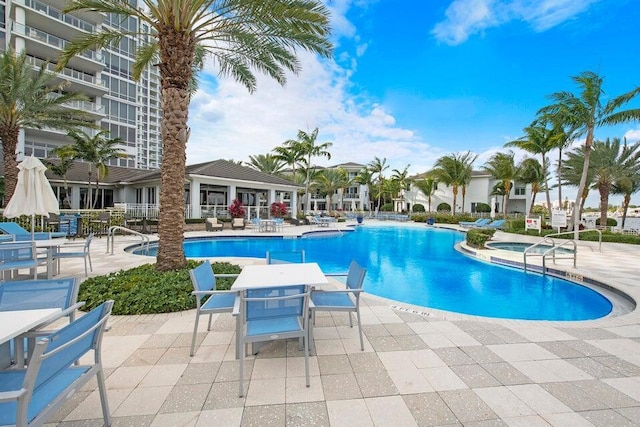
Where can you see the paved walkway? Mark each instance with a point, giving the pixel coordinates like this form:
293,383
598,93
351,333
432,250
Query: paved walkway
438,369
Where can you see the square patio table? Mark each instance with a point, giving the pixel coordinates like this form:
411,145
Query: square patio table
52,246
16,322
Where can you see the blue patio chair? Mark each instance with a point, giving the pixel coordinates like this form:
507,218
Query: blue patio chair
498,223
342,299
273,314
30,396
15,256
285,257
204,284
84,252
20,234
38,294
477,223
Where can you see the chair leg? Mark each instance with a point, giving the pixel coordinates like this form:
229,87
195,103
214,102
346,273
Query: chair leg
359,329
209,324
195,331
103,398
90,265
350,319
306,356
86,272
241,370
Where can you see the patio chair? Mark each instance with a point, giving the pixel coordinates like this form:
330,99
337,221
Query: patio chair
237,224
20,234
498,223
101,224
285,257
38,294
54,220
15,256
477,223
342,299
273,314
204,284
83,252
31,395
212,224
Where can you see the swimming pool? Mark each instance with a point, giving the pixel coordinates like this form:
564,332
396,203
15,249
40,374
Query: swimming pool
520,247
420,266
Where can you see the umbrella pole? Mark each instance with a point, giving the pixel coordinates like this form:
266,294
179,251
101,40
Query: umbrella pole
33,225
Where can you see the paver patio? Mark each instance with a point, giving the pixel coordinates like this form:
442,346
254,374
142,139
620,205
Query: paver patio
431,369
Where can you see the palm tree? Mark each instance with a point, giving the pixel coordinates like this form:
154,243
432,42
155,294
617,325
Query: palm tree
96,150
572,173
329,181
240,36
533,173
30,99
467,160
290,153
65,155
428,186
266,163
365,178
378,166
403,180
609,161
540,139
627,185
502,167
308,150
585,112
450,170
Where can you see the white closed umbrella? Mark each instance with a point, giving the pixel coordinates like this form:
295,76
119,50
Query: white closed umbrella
33,194
315,205
353,205
493,208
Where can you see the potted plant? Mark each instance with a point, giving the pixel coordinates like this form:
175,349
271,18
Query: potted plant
278,210
359,217
238,213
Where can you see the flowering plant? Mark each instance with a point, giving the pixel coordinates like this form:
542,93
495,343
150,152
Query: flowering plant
278,209
236,210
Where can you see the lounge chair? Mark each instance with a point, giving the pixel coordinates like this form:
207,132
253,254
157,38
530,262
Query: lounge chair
477,223
498,223
20,234
237,224
212,224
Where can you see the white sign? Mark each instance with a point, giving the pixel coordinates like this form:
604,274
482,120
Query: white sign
558,218
533,223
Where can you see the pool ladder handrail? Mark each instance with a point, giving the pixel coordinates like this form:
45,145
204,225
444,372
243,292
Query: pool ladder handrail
111,235
552,250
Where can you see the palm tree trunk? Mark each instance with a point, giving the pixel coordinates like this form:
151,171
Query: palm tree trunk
577,214
87,203
464,195
533,201
627,200
455,197
603,189
9,137
176,60
546,184
559,176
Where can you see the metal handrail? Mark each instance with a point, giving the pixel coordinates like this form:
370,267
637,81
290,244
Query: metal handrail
548,239
111,235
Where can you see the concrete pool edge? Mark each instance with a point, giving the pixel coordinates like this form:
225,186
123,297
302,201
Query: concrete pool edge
623,303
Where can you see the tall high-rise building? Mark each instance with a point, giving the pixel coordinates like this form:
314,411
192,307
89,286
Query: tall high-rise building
128,109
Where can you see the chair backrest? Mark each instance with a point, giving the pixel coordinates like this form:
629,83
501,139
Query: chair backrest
17,251
12,228
104,216
285,257
87,243
276,303
355,276
38,294
202,277
62,348
213,221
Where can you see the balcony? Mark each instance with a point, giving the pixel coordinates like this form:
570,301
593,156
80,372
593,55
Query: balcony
41,43
80,82
57,15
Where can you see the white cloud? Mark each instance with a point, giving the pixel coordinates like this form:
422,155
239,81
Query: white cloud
632,135
465,18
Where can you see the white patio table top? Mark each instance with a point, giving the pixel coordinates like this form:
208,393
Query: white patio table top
16,322
272,275
52,246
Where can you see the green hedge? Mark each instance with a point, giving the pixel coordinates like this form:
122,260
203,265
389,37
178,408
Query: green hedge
143,290
477,237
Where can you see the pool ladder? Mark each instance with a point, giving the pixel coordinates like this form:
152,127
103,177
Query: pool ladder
112,232
554,248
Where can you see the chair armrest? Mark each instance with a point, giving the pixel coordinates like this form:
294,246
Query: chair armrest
227,275
211,292
236,306
342,291
337,274
10,396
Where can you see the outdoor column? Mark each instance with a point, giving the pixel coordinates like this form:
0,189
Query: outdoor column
294,203
231,194
195,199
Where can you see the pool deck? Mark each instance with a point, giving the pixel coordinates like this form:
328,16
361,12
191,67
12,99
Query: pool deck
420,366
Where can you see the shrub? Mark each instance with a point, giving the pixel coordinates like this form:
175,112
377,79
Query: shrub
278,210
387,207
236,210
611,222
483,208
143,290
477,237
444,207
418,208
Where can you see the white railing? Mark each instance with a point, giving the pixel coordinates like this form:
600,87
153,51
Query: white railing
111,236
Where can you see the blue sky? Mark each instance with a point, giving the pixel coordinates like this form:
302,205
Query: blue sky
412,81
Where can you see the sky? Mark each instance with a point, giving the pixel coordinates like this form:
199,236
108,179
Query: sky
411,81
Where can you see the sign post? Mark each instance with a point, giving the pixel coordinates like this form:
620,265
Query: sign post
533,223
558,219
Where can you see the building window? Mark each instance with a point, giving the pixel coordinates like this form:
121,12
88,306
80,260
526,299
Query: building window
520,191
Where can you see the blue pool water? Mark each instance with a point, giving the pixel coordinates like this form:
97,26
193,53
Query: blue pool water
420,266
520,247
